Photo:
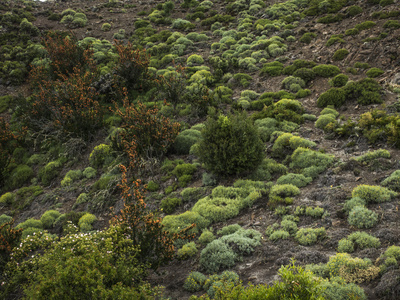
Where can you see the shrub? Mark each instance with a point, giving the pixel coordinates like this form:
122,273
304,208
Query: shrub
279,235
366,91
289,225
85,222
353,270
373,194
392,182
49,172
353,10
194,60
272,69
30,223
334,96
206,237
282,193
338,289
326,70
324,120
309,236
217,255
363,240
345,246
362,217
106,27
307,37
311,162
230,145
283,110
185,140
315,212
175,223
48,218
298,180
289,81
99,155
187,250
20,175
353,202
194,282
365,25
304,73
340,54
351,31
168,205
286,143
71,176
392,24
89,172
229,229
339,80
374,72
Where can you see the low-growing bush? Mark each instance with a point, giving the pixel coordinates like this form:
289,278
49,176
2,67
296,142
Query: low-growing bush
49,217
310,236
217,255
282,193
310,162
175,223
339,80
298,180
279,235
373,194
187,250
194,282
362,217
229,229
333,96
374,72
324,120
168,205
340,54
85,222
326,70
353,202
206,237
358,240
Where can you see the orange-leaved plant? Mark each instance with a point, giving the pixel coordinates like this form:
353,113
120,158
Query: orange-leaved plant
9,238
144,227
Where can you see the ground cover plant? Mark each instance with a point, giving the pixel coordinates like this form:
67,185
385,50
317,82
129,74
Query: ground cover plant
262,132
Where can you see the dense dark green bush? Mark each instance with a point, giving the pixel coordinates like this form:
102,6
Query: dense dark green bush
274,68
305,73
326,70
307,37
333,96
230,145
366,91
340,54
283,110
339,80
374,72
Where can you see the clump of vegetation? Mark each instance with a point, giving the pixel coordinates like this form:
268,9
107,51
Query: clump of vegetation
362,217
358,240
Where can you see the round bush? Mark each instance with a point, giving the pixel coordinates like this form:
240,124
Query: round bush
185,140
339,80
373,193
340,54
362,217
374,72
194,282
324,120
230,145
217,255
49,217
333,96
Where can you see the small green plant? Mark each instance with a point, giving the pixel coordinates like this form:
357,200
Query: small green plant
206,237
353,202
340,54
194,282
279,235
374,72
326,70
298,180
339,80
307,37
49,217
89,172
392,182
334,96
229,229
282,194
325,120
168,205
187,250
310,162
85,222
360,240
310,236
362,217
373,194
106,27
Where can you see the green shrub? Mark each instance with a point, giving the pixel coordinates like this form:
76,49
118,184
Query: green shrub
186,139
71,176
373,194
351,31
30,223
330,18
304,73
311,162
283,110
217,255
310,236
176,223
282,193
307,37
230,145
298,180
340,54
194,60
326,70
345,246
374,72
99,155
315,212
392,182
48,218
82,198
339,80
362,217
206,237
333,96
390,258
353,202
220,283
89,172
353,10
293,84
353,270
338,289
289,225
241,79
392,24
4,103
365,25
363,240
187,250
5,219
243,241
20,175
153,186
168,205
229,229
106,27
194,282
7,198
279,235
329,111
324,120
272,69
366,91
373,155
286,143
85,222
